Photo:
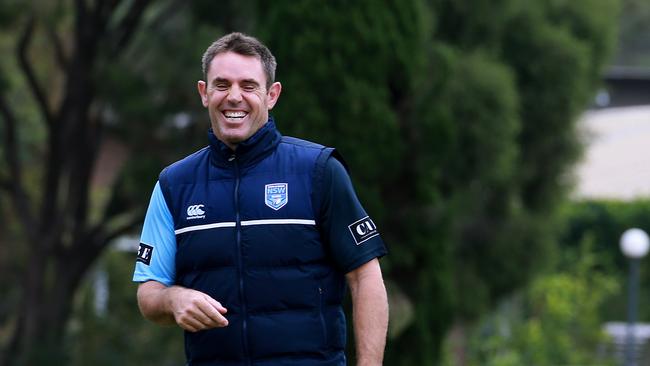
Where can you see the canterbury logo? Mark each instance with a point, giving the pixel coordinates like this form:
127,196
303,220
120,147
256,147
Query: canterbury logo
195,212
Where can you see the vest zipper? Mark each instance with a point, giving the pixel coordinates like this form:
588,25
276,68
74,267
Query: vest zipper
321,309
242,298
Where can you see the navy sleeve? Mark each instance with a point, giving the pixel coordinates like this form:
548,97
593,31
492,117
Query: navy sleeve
350,234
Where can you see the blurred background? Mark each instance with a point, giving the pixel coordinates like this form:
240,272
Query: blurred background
502,147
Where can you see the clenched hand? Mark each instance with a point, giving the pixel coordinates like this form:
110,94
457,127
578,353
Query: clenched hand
192,310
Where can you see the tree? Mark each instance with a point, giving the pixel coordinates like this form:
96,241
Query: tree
61,240
459,128
84,77
604,222
555,320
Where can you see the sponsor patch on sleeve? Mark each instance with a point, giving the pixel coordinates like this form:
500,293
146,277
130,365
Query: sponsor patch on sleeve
363,230
144,253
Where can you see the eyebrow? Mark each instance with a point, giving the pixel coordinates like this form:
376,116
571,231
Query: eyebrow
250,81
219,80
244,81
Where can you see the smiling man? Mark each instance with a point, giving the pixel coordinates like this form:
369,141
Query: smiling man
237,96
248,243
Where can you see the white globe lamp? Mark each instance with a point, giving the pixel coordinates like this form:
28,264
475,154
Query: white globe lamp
635,243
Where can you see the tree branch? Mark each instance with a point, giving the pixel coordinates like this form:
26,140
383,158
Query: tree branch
10,139
75,260
23,45
58,48
174,7
102,13
129,221
126,28
119,224
88,248
20,199
81,173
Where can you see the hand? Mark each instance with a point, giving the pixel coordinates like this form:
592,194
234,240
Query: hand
194,310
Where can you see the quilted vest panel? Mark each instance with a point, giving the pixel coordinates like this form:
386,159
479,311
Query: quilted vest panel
247,235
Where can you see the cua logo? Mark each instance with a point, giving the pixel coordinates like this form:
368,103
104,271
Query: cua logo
363,230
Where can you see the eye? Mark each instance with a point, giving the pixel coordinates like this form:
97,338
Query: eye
249,87
221,86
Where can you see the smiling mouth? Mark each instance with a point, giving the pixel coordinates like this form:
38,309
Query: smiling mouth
235,115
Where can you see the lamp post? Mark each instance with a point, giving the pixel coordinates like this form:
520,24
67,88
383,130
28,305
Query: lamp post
634,244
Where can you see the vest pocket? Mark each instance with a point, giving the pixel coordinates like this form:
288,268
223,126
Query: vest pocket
321,309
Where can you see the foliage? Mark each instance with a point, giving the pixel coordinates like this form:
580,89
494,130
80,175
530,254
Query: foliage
605,222
458,126
554,321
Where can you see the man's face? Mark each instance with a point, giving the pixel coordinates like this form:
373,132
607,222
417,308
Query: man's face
236,96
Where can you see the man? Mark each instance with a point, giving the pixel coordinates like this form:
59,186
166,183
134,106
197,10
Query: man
247,243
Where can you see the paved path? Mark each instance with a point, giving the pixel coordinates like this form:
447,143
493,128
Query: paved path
616,162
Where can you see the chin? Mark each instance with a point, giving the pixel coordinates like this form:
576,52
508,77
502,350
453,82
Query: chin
235,138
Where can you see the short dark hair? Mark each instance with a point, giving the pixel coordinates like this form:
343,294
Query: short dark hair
244,45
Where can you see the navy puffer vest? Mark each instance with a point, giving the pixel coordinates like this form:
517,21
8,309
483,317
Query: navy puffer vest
247,234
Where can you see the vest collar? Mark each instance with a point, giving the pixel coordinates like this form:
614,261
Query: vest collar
253,149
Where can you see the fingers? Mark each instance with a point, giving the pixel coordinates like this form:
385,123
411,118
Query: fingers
191,324
212,311
195,311
217,305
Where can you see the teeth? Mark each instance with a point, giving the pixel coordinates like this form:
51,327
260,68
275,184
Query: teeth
233,114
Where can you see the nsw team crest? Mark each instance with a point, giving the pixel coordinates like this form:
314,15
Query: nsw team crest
276,195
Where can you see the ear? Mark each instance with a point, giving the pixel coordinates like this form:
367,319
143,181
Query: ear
273,94
202,87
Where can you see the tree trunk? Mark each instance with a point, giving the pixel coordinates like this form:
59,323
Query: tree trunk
38,335
62,243
47,304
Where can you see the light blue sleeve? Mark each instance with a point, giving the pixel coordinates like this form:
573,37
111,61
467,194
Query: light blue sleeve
156,259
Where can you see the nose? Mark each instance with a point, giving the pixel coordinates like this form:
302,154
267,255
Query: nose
234,94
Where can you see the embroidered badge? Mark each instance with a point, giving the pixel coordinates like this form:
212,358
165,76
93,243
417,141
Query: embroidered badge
363,230
276,195
195,212
144,253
